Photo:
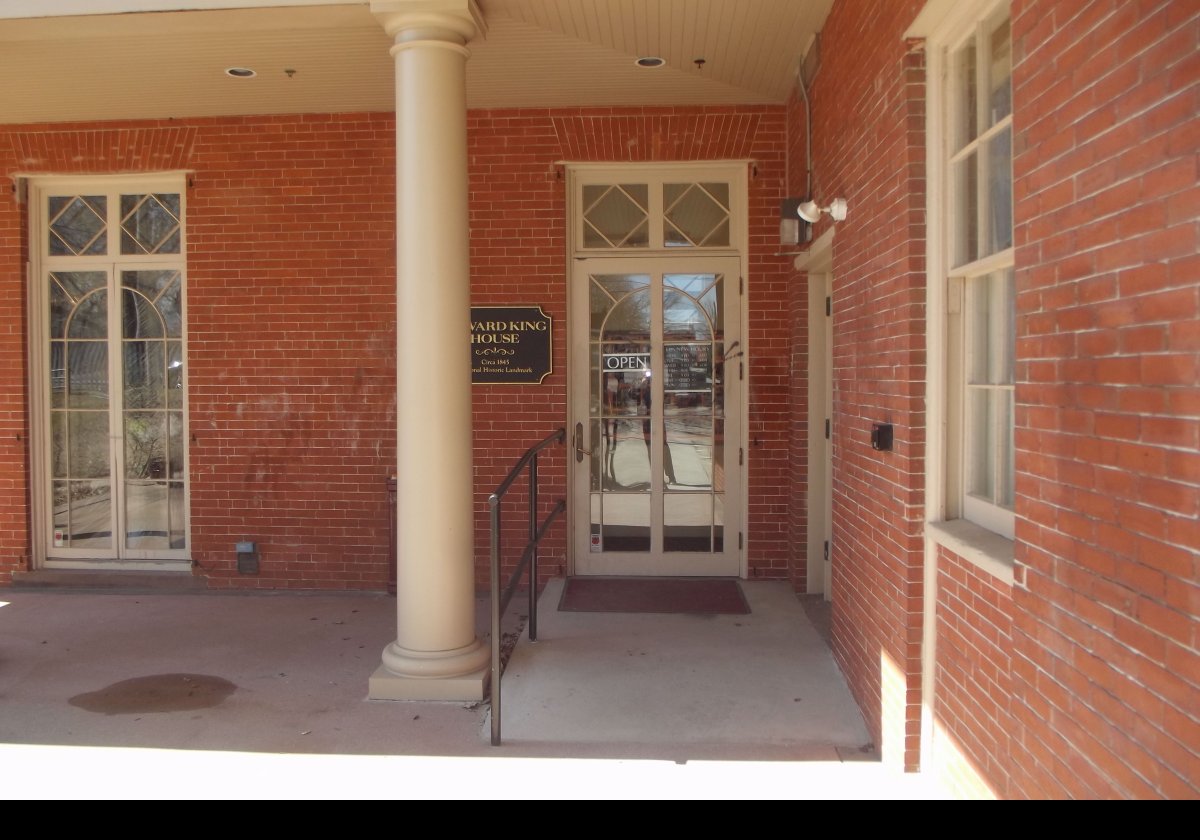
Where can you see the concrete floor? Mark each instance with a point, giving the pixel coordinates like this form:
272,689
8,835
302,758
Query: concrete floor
153,695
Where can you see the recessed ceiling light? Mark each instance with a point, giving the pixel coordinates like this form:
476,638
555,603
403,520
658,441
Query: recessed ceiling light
240,72
650,61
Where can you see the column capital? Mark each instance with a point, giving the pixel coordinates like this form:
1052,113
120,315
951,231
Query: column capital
451,20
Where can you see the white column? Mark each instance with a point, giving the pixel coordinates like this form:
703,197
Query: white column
436,655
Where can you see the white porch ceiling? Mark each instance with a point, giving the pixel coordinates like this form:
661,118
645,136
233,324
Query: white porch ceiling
537,53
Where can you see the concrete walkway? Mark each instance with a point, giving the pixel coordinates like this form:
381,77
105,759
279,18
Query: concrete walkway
152,695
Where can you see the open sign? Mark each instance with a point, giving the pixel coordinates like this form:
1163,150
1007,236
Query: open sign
626,361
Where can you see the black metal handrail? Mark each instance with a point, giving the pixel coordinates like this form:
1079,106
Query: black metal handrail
529,558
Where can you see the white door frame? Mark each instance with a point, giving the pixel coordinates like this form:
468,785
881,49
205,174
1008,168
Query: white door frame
818,263
41,503
736,174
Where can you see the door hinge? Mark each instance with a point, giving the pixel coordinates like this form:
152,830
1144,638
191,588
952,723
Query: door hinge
741,285
828,305
826,551
826,428
739,540
741,371
741,456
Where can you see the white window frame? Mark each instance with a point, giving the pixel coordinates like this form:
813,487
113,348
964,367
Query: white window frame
40,188
949,463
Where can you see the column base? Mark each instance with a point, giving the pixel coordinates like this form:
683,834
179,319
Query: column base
441,675
467,688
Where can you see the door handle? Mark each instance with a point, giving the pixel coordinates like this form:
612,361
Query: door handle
579,450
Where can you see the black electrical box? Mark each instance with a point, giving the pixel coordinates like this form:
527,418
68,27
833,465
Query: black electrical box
881,437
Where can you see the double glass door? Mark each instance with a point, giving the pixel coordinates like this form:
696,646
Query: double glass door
656,380
110,299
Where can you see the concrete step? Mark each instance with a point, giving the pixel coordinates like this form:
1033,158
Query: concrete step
108,580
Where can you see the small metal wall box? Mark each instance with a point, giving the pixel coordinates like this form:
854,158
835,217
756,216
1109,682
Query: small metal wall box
881,437
247,558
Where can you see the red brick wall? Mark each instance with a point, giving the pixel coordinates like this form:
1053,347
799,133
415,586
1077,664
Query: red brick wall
1106,674
868,118
291,333
518,236
291,274
14,430
973,678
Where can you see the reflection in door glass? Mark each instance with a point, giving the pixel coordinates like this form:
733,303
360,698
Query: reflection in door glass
656,404
693,333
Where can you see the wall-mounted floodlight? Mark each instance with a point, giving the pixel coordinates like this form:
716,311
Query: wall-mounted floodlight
810,211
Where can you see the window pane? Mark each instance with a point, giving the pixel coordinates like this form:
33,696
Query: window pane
991,305
1004,467
964,213
1000,71
979,417
1000,233
964,93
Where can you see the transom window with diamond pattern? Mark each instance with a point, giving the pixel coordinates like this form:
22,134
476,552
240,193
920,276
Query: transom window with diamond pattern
696,215
77,225
659,211
616,216
150,223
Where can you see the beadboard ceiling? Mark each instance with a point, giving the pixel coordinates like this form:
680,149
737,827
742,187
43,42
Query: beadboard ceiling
536,53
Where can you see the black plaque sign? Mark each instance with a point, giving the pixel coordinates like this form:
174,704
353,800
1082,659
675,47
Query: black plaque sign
510,345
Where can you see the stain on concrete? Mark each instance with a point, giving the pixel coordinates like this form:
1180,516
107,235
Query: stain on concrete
157,693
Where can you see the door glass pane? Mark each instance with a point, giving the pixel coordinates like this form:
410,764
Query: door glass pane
82,515
145,445
174,374
146,524
177,512
626,453
145,372
687,522
58,444
58,374
175,457
139,317
87,374
688,453
87,435
89,318
626,522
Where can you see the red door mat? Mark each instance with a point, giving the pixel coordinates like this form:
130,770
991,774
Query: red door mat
703,596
